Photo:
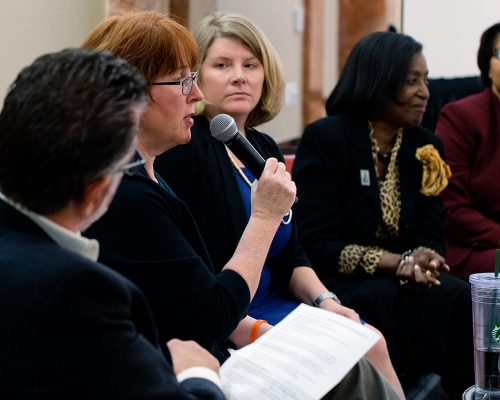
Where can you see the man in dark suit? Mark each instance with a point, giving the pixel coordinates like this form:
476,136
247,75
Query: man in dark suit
71,327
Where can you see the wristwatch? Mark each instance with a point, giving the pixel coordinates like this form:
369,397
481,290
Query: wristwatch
327,295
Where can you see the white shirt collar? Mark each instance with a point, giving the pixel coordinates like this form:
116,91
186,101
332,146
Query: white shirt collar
74,241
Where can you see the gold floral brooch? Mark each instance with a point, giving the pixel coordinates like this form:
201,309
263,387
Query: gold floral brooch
436,171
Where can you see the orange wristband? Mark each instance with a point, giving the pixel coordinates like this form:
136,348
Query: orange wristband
255,329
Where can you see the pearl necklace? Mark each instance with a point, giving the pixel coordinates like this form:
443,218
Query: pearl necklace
242,174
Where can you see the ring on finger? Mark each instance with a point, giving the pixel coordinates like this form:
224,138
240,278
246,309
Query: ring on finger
428,272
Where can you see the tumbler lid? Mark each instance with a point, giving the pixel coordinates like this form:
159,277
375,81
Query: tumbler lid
485,279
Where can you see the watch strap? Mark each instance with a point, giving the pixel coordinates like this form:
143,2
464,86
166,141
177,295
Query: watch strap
327,295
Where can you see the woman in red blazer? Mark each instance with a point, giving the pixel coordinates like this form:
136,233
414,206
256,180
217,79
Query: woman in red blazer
469,129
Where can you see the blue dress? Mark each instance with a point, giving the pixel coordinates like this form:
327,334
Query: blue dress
267,303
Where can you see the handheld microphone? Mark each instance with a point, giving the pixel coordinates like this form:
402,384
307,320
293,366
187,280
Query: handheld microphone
223,128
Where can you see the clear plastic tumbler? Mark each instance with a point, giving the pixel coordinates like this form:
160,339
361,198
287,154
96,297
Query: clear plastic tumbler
486,319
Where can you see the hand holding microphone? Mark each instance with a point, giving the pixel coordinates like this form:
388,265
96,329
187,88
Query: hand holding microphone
275,185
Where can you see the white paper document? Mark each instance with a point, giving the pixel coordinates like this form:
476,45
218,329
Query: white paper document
301,358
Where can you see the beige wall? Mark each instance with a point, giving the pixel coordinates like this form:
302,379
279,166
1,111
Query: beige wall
331,47
450,31
394,13
199,9
29,28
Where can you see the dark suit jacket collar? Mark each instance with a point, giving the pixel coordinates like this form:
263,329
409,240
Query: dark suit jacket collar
12,219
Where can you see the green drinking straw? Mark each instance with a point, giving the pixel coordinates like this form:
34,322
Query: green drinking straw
497,263
494,303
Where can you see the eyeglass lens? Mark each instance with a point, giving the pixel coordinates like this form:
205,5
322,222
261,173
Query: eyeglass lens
187,83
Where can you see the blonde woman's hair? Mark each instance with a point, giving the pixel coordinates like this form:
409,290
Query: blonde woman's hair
238,27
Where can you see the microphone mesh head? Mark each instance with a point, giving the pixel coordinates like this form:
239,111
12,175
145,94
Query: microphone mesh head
223,127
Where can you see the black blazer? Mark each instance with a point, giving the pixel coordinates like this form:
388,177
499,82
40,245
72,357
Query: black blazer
201,174
74,329
336,210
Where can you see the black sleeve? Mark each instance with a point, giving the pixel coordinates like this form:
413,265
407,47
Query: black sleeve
149,236
317,171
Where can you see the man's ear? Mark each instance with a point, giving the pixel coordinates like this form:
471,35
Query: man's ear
93,196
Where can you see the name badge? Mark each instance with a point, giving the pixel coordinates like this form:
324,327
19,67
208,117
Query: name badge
365,177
